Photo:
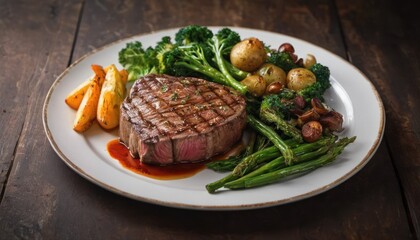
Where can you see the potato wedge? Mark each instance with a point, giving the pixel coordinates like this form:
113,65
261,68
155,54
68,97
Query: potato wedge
86,114
124,76
99,72
75,97
112,95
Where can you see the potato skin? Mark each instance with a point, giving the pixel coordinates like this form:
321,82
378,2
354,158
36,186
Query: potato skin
300,78
248,55
271,73
255,84
86,113
112,95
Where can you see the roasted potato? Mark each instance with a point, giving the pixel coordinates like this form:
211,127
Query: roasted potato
124,76
256,85
75,97
300,78
248,55
271,73
112,95
86,113
310,60
99,73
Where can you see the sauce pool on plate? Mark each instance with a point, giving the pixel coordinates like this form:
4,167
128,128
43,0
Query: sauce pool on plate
119,151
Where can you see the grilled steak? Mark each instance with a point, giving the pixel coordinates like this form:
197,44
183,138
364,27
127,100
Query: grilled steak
166,120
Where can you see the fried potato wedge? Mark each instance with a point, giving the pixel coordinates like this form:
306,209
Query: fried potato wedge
86,113
112,95
99,73
75,97
124,75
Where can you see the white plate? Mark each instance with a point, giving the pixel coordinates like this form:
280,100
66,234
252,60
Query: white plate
352,94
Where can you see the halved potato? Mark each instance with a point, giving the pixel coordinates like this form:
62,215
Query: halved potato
112,95
86,113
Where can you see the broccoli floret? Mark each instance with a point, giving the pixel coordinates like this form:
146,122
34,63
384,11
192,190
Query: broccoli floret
137,61
193,34
317,90
190,60
196,53
280,104
282,60
274,111
162,47
228,39
287,93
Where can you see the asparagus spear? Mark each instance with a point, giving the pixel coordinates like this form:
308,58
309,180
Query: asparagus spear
249,164
289,157
275,176
252,161
260,156
274,165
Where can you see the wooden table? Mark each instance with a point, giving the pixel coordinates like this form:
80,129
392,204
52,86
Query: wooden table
42,198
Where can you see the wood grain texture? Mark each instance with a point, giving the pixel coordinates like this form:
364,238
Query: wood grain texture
386,50
45,199
36,43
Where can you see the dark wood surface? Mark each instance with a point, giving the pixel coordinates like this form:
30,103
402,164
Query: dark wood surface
42,198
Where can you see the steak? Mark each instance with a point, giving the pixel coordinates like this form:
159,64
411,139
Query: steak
166,120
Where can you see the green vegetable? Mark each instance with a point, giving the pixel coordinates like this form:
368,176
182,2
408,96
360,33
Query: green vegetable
254,160
278,142
282,60
277,175
317,90
195,52
275,165
237,73
193,34
221,45
272,110
139,61
191,60
260,156
250,163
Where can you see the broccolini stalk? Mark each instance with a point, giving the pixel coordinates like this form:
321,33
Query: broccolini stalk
276,176
222,42
270,112
265,130
237,73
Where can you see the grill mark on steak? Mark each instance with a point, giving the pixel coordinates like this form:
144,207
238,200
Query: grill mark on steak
178,107
192,118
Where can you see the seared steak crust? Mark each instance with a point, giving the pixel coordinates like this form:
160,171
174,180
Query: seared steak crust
167,119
